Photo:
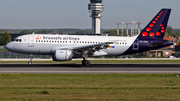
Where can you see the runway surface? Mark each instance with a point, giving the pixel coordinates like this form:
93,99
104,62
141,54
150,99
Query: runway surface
93,68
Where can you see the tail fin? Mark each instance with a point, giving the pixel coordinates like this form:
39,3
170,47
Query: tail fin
157,27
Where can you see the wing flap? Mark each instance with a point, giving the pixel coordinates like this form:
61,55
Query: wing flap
89,50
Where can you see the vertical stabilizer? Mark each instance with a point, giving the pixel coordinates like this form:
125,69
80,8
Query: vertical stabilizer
157,26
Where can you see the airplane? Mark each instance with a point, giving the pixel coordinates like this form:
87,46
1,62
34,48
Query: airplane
67,47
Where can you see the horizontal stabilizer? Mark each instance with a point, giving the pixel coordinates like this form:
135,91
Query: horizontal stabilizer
158,43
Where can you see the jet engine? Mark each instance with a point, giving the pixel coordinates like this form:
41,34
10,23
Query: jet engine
63,55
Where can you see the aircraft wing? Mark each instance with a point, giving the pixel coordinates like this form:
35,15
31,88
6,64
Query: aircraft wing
94,46
87,50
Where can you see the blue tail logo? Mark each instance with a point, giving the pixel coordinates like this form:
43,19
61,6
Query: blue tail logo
157,27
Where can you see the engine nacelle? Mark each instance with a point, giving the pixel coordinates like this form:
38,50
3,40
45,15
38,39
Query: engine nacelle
63,55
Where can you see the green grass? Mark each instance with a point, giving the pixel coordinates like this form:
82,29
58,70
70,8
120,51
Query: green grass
88,87
102,61
2,50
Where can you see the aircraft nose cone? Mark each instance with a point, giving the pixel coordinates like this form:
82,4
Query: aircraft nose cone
8,46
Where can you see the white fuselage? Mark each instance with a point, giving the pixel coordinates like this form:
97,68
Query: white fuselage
46,44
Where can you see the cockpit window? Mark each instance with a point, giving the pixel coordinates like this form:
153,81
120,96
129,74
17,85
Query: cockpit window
18,40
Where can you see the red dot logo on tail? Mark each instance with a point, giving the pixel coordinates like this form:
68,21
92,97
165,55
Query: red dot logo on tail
157,26
158,33
151,34
151,25
162,31
163,27
148,29
144,34
153,21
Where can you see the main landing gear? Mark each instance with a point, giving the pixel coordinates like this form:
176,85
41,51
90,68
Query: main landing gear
85,62
30,62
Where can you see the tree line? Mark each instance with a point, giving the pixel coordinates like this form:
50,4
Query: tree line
169,31
5,38
112,32
37,32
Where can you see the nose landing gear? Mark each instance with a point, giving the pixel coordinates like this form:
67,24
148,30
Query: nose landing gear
30,62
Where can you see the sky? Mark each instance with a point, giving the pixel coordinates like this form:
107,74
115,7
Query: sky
37,14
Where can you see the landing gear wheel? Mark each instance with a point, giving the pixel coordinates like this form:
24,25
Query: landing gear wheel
86,62
83,62
31,57
30,63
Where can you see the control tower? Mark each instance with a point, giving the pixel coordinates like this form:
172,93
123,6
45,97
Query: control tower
95,8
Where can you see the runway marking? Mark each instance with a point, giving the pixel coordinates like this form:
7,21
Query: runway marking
89,71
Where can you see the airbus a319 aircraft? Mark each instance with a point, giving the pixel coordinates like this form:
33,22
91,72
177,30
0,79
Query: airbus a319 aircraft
67,47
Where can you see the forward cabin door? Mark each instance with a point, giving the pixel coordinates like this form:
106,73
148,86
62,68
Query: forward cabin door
31,41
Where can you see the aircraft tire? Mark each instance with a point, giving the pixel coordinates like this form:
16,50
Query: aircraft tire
86,62
30,63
